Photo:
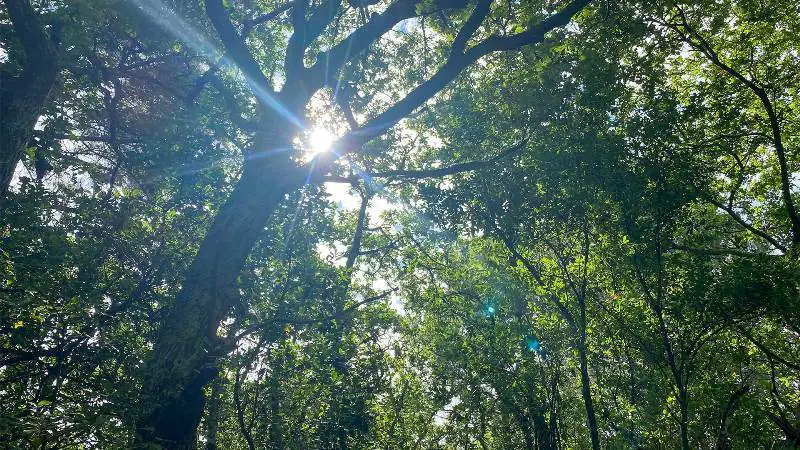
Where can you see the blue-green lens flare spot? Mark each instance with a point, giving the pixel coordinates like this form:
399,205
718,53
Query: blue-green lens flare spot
489,310
533,344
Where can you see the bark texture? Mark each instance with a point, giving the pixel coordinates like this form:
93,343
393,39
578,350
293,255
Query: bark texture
187,347
213,414
24,96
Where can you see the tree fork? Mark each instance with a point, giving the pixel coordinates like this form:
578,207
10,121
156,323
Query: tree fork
186,347
23,98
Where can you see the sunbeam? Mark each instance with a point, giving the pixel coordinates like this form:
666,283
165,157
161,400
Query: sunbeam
165,18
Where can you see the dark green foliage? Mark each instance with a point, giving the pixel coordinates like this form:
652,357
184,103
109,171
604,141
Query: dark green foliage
592,234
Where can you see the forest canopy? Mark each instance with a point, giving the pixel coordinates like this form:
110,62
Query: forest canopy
449,224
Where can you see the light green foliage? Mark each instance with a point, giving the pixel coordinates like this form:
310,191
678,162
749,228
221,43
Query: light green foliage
630,220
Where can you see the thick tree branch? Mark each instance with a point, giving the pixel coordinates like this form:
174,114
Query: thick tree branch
454,65
200,84
235,46
465,33
327,65
237,400
770,354
23,98
535,273
295,48
19,356
533,34
38,48
341,97
305,33
383,248
712,251
180,359
320,18
733,402
88,138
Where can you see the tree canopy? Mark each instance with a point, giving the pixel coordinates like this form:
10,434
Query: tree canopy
257,224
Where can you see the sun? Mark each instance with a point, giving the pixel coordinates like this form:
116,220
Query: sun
320,140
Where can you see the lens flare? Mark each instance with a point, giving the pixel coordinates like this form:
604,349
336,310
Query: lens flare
320,140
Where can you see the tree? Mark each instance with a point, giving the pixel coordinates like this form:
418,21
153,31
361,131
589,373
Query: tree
183,358
539,225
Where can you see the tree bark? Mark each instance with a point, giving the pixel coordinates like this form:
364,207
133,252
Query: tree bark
275,423
677,371
544,438
591,420
578,326
342,326
526,432
684,405
582,350
691,36
23,98
187,347
554,400
237,401
213,414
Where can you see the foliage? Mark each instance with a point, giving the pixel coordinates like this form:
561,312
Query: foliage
586,240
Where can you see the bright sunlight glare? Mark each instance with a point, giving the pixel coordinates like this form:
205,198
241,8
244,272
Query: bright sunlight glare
320,140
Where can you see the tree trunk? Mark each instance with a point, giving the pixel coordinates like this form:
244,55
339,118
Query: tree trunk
237,401
526,433
585,382
212,416
683,401
723,439
23,98
544,439
275,423
587,393
677,375
186,348
340,411
554,400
